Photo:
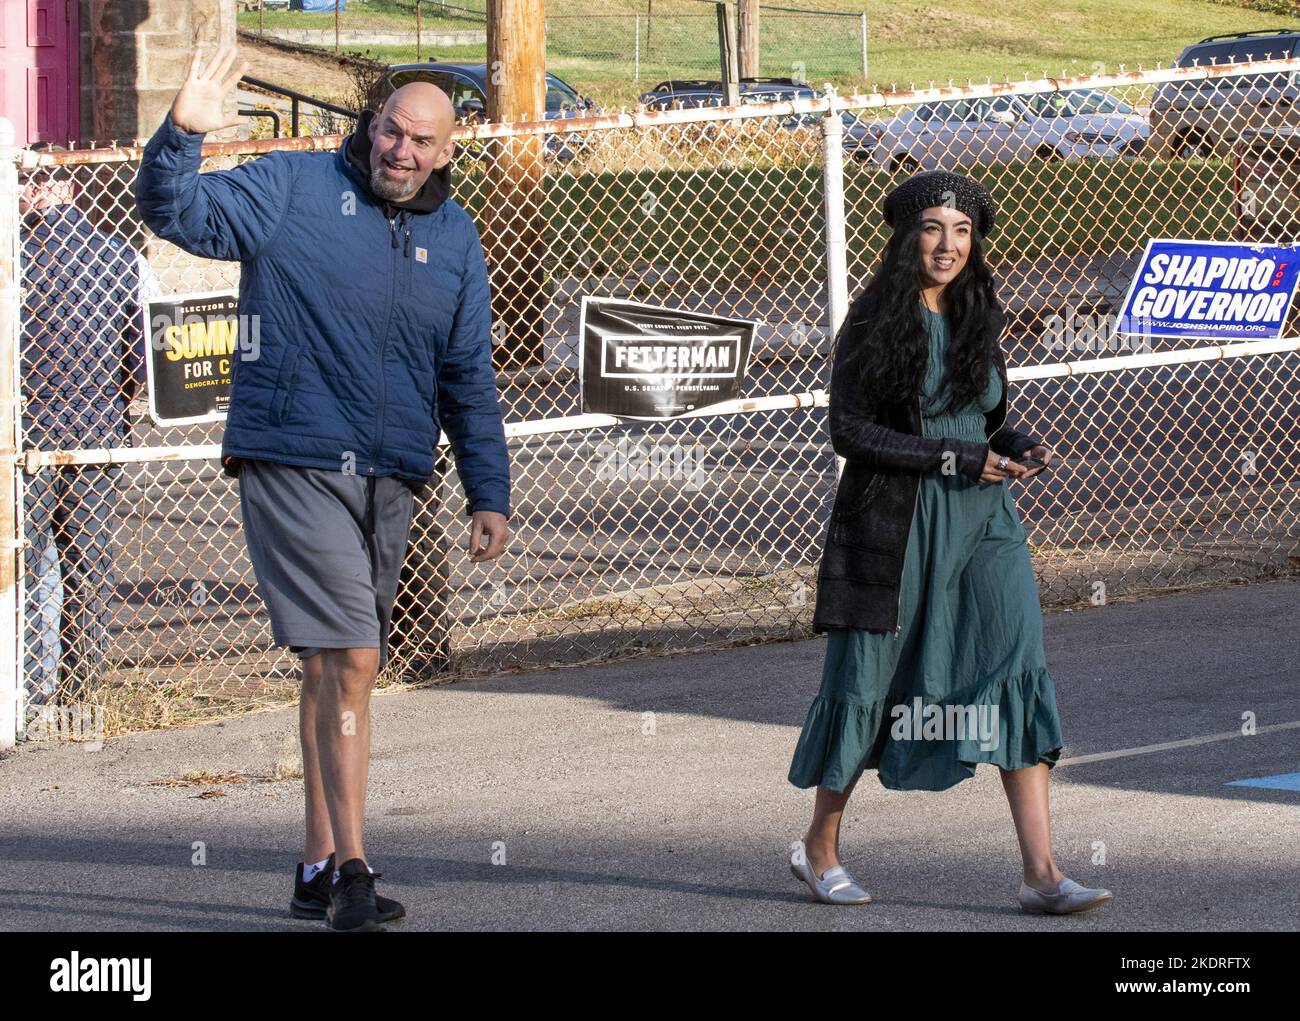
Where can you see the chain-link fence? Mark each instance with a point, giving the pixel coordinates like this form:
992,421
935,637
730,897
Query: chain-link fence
1178,459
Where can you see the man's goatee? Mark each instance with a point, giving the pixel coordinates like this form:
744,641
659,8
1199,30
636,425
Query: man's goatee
392,191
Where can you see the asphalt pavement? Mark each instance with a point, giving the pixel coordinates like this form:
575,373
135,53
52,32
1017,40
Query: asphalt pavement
652,794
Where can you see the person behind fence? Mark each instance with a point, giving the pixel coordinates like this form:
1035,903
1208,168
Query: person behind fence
82,360
934,658
367,285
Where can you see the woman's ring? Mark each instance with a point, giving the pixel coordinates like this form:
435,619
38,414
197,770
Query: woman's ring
1002,463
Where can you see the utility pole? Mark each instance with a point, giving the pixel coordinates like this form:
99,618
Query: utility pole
750,60
727,55
513,225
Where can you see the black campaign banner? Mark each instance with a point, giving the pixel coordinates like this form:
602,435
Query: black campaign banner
647,362
194,342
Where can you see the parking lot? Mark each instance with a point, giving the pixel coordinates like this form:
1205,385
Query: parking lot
651,794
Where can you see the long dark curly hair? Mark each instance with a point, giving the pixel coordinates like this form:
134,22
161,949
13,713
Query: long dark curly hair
887,337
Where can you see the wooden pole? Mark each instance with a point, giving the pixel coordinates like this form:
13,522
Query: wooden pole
727,55
419,641
750,60
513,228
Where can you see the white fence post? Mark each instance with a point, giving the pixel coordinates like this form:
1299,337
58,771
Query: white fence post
11,704
837,265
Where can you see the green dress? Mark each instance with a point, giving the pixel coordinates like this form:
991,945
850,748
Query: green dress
965,680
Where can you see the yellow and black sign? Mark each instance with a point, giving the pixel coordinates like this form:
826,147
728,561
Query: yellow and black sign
195,341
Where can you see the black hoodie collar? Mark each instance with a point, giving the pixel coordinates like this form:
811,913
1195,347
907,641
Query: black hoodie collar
427,200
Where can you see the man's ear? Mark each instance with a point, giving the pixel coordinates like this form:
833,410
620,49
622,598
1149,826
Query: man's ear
373,127
444,157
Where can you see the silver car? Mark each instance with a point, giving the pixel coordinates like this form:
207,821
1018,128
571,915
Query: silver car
1087,123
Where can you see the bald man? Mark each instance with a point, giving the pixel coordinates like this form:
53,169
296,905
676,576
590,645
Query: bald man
368,332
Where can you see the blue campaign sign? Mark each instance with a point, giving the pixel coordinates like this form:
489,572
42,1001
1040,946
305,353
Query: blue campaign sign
1217,290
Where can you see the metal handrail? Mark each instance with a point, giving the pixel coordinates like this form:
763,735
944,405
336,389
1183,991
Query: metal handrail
296,98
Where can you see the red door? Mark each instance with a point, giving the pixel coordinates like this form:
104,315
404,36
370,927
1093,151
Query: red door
38,69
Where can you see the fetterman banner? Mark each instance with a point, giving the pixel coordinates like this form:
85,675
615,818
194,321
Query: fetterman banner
194,342
1215,290
647,362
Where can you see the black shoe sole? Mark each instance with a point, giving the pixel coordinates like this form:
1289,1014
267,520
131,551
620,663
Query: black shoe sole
369,925
301,910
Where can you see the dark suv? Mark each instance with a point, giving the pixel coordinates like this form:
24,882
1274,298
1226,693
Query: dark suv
1204,117
689,93
693,93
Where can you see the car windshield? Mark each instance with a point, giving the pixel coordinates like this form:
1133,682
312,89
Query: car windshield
956,110
1074,104
560,98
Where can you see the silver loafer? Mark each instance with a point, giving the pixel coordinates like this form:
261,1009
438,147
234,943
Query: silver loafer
835,886
1069,898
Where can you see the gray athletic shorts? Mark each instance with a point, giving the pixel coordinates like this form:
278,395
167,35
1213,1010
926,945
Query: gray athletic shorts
327,551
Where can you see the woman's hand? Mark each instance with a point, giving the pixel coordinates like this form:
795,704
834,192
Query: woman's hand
1013,470
992,473
1044,453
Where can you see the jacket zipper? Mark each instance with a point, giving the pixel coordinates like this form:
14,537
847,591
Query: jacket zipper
383,343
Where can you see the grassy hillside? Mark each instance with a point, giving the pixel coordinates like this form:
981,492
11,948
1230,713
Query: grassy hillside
597,47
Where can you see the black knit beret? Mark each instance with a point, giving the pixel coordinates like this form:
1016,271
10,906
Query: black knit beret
941,188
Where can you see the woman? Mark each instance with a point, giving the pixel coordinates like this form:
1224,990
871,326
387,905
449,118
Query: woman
934,660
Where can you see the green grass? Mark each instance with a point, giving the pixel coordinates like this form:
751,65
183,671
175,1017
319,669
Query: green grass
908,42
380,15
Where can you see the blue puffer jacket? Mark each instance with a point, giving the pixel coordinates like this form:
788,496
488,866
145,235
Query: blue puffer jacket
374,318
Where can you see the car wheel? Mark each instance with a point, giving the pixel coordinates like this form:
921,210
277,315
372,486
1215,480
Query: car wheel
1192,145
1133,148
906,164
1047,152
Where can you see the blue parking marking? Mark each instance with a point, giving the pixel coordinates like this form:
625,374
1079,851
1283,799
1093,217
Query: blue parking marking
1281,782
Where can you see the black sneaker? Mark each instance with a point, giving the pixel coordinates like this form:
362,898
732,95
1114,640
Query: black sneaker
352,906
310,900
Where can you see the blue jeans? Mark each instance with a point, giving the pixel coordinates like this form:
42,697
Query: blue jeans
69,514
42,648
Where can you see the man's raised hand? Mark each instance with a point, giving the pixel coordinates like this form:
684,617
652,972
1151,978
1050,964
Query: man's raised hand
197,107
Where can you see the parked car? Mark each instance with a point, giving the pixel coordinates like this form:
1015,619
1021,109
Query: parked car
1203,117
694,93
466,85
1266,185
1082,124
